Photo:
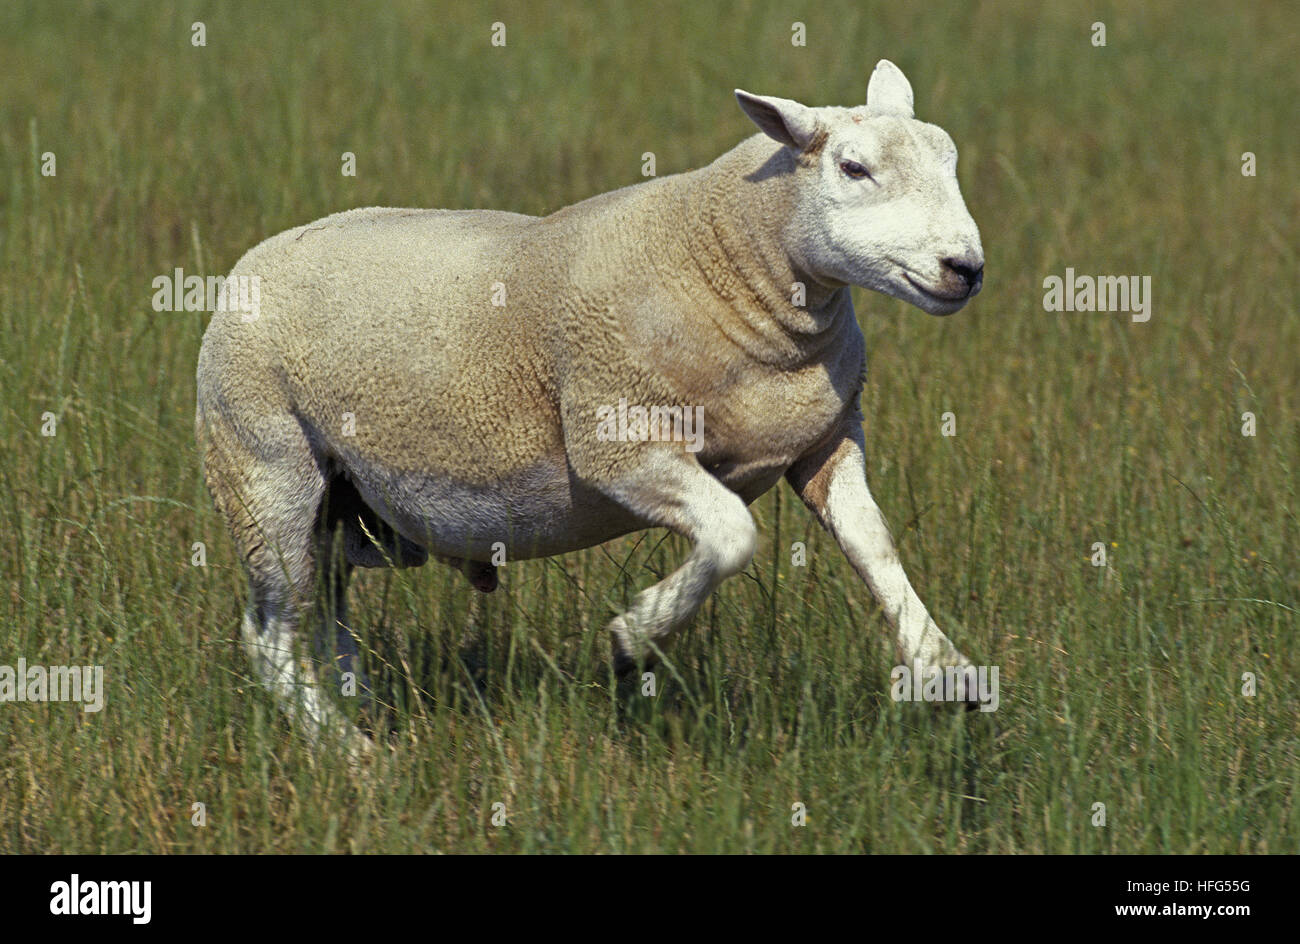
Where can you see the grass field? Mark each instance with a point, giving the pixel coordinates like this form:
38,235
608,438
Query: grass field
1120,684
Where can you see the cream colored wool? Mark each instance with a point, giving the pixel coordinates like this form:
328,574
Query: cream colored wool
379,371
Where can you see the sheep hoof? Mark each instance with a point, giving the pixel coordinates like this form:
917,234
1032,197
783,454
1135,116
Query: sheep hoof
481,576
624,665
967,694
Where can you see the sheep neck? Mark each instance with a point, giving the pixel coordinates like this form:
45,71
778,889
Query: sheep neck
736,208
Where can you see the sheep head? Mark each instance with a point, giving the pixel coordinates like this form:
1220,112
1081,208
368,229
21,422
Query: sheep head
876,200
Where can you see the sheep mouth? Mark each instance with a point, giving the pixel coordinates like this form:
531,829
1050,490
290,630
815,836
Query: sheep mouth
947,299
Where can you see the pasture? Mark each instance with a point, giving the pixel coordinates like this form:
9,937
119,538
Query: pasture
1121,684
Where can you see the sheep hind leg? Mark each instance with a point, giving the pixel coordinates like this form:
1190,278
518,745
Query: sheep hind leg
351,534
271,508
336,642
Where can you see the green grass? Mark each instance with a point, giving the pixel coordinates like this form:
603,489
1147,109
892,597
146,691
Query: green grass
1119,685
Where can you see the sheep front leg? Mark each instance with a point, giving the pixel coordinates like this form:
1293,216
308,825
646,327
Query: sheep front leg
832,482
673,491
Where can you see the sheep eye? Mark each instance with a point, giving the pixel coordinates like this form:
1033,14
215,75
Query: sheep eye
855,170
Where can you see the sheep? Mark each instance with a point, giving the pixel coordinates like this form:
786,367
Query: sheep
428,382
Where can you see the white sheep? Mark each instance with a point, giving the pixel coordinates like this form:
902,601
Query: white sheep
440,382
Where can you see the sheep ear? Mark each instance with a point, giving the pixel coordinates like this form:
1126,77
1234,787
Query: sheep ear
889,92
781,119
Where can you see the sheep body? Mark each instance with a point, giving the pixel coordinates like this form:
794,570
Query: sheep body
430,383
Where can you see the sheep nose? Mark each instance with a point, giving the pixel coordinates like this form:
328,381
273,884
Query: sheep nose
970,271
